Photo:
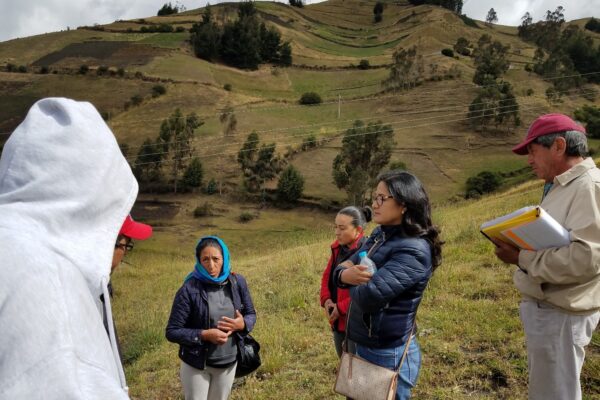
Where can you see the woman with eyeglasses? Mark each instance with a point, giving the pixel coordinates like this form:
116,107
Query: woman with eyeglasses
406,248
209,310
350,225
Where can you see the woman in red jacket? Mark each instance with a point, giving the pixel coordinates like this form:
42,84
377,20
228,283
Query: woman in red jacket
349,233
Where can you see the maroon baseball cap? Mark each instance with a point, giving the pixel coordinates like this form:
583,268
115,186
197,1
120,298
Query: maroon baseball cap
135,230
545,125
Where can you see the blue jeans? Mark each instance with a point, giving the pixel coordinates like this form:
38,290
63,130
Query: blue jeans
390,358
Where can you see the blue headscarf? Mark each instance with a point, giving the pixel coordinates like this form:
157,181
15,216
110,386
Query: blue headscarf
200,273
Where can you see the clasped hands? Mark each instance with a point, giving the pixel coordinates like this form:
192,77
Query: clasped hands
225,327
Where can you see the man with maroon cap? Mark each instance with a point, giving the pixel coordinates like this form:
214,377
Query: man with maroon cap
560,286
130,230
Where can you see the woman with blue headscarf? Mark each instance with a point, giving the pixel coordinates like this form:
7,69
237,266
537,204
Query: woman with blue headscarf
212,304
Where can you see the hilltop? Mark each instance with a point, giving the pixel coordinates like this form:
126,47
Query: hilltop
329,40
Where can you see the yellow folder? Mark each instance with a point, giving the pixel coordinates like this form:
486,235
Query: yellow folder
529,228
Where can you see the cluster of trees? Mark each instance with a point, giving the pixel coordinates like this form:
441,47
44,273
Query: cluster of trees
568,55
366,149
495,101
169,9
244,43
454,5
296,3
167,161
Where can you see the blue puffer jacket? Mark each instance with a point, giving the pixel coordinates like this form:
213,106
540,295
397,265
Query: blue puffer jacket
383,310
189,316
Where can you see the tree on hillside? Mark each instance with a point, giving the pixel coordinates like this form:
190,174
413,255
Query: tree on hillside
593,25
206,37
365,151
296,3
378,12
495,104
148,163
591,116
490,60
229,121
175,138
258,164
407,69
491,17
193,175
525,28
290,185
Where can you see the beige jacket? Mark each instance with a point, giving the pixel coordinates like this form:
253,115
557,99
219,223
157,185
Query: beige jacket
568,277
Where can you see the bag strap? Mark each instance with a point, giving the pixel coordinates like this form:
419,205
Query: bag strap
412,331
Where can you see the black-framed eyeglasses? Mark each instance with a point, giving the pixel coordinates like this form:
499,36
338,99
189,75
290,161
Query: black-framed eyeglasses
380,198
124,246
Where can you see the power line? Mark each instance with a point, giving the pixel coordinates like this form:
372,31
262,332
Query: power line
196,154
236,143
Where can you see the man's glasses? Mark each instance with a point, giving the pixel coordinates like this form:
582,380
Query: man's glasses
124,246
380,198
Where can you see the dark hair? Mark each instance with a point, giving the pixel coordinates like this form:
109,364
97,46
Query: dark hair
576,142
208,243
360,216
407,190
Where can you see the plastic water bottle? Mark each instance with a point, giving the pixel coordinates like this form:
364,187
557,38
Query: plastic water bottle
367,262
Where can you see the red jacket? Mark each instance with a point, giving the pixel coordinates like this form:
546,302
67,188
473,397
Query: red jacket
343,295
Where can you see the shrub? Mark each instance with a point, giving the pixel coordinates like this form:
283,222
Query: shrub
192,177
469,21
528,67
529,92
246,217
310,98
227,87
22,69
103,69
44,70
205,210
136,100
364,64
448,52
484,182
121,72
11,67
309,142
397,165
180,29
84,69
378,18
158,90
211,187
591,116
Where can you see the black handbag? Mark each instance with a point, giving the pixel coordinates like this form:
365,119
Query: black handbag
248,357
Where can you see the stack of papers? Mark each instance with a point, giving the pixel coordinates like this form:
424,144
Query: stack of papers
530,228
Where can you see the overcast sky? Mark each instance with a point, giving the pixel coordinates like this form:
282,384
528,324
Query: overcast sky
31,17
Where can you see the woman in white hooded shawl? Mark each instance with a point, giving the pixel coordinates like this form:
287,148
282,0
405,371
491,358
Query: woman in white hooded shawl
65,190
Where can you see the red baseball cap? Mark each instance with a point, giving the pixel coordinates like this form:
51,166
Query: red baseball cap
545,125
135,230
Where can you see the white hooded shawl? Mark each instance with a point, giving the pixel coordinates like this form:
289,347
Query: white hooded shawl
65,189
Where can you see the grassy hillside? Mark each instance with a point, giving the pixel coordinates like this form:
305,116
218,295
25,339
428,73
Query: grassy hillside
329,40
469,327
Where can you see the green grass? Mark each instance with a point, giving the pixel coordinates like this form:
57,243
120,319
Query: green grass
169,40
